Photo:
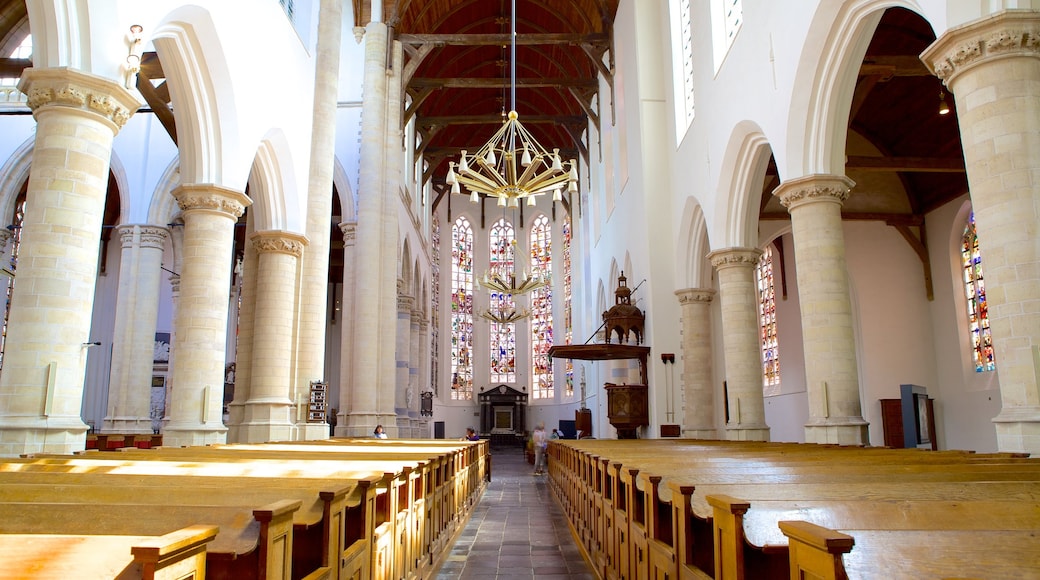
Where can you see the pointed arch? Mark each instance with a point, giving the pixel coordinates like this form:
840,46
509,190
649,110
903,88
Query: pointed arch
740,187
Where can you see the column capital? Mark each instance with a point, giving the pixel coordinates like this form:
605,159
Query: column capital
813,188
47,88
349,230
405,303
1009,33
277,241
695,295
151,236
211,197
734,257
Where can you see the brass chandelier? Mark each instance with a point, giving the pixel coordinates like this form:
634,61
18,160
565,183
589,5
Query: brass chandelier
512,165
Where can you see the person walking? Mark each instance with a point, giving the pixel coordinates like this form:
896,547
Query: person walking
540,443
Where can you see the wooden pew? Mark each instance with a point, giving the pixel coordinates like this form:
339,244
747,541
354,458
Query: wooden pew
408,522
173,556
668,534
252,543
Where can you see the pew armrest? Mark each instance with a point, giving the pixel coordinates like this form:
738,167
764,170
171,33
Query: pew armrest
175,554
816,551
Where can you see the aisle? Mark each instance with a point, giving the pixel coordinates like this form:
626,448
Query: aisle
516,531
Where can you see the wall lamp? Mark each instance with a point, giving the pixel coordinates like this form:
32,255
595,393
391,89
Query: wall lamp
133,57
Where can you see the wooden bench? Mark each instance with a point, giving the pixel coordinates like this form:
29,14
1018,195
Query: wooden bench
408,527
644,528
173,556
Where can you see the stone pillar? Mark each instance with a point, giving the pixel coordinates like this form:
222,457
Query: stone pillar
403,359
244,338
698,390
412,397
310,344
267,410
393,173
423,378
137,306
346,360
831,372
738,297
195,414
41,387
175,295
373,323
992,67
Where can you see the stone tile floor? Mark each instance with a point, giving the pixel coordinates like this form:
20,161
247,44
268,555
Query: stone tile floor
517,530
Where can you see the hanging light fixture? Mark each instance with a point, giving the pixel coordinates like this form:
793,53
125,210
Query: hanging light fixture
944,109
512,165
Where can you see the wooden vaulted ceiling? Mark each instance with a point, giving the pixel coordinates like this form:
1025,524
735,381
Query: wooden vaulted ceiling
457,72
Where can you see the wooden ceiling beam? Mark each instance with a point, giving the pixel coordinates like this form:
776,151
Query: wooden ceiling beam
13,67
489,83
908,164
443,121
502,39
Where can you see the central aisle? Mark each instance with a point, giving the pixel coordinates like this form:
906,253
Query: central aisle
516,531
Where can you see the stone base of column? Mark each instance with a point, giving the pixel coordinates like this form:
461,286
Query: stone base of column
747,433
1018,430
127,425
193,435
420,429
362,425
265,421
19,435
236,415
312,431
847,431
701,433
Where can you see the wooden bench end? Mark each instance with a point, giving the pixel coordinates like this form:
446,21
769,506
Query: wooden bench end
817,536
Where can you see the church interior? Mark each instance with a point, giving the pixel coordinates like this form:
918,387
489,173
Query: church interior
751,260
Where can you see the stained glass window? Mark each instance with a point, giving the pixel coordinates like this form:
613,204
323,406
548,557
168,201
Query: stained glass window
502,239
767,324
568,327
541,311
435,302
975,291
16,242
462,310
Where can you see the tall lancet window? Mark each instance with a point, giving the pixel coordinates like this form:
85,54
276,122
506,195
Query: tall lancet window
975,291
541,311
767,324
461,310
568,314
15,242
502,239
435,305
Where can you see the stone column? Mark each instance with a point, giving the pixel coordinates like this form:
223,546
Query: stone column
245,334
41,387
310,362
698,390
195,414
175,295
346,361
267,410
412,397
831,372
373,323
393,173
423,378
403,359
137,306
992,67
738,297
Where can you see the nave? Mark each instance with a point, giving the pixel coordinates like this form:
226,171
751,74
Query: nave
516,530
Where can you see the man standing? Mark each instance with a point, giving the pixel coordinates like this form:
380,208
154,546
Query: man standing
540,443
